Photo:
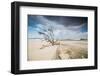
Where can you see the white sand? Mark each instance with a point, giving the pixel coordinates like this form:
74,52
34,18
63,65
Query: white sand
35,52
47,53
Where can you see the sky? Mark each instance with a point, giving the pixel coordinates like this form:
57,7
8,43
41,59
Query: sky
64,27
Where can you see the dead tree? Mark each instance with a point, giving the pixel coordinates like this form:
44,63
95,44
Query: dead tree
48,34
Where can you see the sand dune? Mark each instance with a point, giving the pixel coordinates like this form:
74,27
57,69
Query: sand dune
48,53
41,50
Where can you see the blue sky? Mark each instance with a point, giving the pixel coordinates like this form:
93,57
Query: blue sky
65,27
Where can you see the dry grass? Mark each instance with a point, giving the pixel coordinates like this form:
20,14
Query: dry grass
73,50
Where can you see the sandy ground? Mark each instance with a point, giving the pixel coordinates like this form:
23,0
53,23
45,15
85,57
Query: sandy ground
41,50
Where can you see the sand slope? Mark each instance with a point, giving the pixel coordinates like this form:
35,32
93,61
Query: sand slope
41,50
47,53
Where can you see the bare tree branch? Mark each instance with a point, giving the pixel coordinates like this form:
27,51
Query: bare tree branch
48,34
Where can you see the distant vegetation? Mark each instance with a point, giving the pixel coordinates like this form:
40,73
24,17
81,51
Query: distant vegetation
83,39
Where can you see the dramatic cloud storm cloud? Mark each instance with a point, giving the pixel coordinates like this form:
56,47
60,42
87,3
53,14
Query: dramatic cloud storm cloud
65,27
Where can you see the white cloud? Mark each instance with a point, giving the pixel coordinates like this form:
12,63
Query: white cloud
69,34
60,31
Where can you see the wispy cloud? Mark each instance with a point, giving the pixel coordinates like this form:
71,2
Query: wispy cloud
74,30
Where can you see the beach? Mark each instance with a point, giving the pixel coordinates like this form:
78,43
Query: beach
67,49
